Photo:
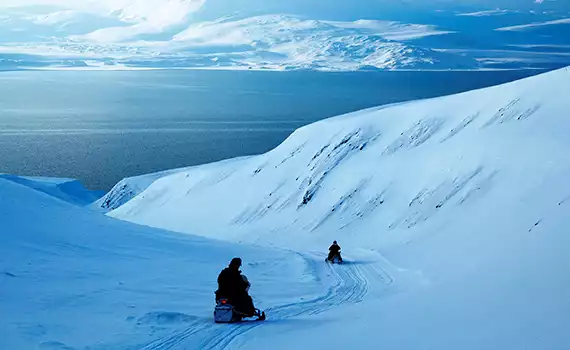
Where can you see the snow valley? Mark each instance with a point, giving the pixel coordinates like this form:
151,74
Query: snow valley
452,214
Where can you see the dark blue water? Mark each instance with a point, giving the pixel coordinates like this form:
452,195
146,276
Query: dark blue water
102,126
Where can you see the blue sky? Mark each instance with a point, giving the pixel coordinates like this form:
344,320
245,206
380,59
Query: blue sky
327,9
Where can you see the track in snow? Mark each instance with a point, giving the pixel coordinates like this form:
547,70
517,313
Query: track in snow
351,287
352,284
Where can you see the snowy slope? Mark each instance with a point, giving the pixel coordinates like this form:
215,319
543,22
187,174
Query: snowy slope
460,204
340,174
127,189
75,279
130,187
69,190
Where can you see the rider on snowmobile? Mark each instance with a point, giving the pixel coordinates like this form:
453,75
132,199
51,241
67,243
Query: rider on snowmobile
233,286
334,250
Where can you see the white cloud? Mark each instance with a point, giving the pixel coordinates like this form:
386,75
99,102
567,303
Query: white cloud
534,25
276,29
53,18
496,12
146,16
392,30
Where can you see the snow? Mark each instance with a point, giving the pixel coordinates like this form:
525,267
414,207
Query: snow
68,190
131,187
326,162
290,42
454,209
452,214
74,279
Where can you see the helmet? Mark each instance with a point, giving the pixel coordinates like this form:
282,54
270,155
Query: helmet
236,262
334,242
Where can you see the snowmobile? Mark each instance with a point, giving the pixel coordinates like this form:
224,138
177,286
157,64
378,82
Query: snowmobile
335,258
226,313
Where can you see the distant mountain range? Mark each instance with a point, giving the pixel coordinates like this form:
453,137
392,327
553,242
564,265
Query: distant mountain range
170,37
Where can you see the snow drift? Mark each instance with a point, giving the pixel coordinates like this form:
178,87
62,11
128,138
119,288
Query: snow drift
461,202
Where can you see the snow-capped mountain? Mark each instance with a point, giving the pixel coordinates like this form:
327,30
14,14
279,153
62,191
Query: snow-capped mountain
265,42
283,42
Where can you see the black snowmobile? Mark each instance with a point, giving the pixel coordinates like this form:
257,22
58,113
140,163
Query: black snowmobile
334,259
334,254
225,312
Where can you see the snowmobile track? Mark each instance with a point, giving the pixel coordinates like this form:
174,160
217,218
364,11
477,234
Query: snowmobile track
351,286
171,341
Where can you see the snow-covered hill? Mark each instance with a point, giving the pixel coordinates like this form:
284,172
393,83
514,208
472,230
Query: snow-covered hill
398,167
460,203
127,189
72,278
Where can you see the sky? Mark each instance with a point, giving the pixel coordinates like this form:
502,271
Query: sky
162,10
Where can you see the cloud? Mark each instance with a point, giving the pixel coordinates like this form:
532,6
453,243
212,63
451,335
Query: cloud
146,16
392,30
496,12
53,18
534,25
283,28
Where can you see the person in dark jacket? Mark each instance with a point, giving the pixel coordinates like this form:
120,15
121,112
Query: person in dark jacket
334,250
233,286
